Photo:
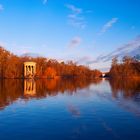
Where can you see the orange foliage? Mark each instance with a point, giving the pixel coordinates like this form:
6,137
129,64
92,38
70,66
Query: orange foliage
50,73
11,66
130,68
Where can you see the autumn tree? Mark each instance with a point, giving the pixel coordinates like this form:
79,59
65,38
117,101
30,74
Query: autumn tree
129,67
11,66
50,73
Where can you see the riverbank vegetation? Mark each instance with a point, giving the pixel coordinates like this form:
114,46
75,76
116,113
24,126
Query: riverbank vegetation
128,68
11,66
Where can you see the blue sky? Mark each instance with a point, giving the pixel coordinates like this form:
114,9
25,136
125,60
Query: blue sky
68,29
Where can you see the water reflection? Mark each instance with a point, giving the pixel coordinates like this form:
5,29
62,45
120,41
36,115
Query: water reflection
10,91
13,89
125,87
127,93
29,87
97,109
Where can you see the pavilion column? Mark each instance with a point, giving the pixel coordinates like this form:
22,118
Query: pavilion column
27,70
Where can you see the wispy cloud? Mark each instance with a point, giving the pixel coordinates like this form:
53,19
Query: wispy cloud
45,1
74,9
103,61
76,17
108,25
131,49
76,41
1,7
83,60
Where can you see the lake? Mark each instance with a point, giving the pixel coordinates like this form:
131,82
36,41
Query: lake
69,109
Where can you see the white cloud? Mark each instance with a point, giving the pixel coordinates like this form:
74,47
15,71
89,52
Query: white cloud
108,25
76,41
1,7
76,17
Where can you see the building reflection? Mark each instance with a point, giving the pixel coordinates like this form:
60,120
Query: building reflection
29,87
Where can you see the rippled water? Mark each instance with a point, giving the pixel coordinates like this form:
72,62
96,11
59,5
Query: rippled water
69,109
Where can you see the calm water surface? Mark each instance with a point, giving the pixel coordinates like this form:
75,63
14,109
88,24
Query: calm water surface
69,110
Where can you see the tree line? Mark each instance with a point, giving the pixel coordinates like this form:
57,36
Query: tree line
11,66
129,67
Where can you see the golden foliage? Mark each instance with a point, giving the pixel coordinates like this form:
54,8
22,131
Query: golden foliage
129,67
11,66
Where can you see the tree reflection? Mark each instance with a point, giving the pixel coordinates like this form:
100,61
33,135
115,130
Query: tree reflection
125,86
10,91
127,93
14,89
